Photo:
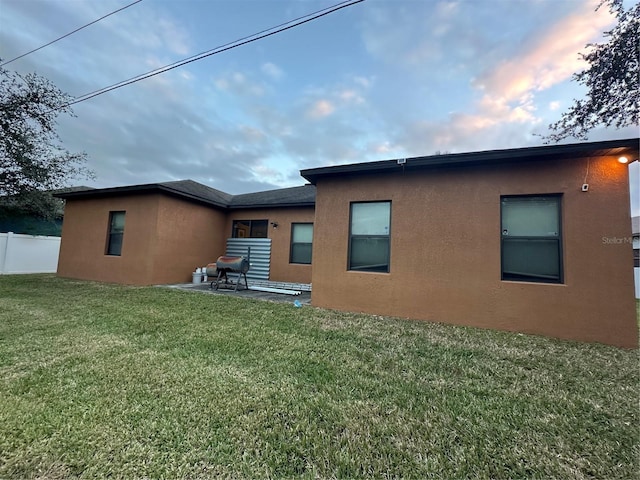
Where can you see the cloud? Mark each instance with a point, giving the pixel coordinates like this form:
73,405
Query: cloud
549,58
239,84
347,96
272,71
363,82
350,96
504,111
421,76
320,109
130,25
412,43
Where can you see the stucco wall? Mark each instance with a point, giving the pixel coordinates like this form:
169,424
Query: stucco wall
165,238
188,236
281,269
445,250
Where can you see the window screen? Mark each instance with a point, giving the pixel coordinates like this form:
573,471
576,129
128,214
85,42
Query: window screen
301,242
531,239
115,234
369,239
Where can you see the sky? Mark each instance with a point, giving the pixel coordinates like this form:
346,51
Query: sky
378,80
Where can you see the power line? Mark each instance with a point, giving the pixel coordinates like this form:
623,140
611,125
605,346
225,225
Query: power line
211,51
66,35
222,48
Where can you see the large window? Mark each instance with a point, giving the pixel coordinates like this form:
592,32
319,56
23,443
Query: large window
250,228
369,240
116,233
531,238
301,242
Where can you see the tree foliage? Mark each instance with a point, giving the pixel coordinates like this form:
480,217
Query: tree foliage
33,161
612,79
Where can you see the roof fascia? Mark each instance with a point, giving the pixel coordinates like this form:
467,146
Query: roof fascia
271,205
138,190
159,188
546,152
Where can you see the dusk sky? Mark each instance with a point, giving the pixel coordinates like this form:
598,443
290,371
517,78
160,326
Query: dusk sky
378,80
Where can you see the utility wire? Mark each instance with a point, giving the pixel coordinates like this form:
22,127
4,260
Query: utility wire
222,48
211,51
66,35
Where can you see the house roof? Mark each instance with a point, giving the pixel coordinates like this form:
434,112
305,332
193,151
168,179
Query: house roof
628,146
183,188
305,195
283,197
197,192
71,189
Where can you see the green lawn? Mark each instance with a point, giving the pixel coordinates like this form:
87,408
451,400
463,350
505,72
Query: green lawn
102,380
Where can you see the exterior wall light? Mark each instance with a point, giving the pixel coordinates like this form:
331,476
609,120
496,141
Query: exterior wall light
623,160
275,224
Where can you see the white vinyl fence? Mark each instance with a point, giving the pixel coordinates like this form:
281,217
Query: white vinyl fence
28,253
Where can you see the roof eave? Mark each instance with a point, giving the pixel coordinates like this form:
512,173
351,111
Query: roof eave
138,190
195,198
160,188
108,192
547,152
271,205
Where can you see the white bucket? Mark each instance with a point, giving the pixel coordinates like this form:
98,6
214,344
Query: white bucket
197,277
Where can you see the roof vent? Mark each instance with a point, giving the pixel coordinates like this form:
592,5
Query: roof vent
401,161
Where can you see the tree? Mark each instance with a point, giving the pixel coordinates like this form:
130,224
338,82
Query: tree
33,161
611,79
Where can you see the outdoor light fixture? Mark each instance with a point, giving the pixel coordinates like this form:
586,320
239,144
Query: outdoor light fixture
623,160
275,224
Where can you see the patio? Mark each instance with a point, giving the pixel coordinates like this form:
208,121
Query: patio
304,298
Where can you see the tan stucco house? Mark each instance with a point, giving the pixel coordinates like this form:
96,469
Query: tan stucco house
159,233
504,239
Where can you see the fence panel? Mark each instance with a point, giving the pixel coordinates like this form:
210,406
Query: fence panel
28,253
260,255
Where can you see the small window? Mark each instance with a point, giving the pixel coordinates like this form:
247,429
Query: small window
116,233
531,239
301,242
250,228
369,236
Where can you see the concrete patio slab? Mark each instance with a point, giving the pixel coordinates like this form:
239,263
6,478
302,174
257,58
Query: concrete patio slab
304,298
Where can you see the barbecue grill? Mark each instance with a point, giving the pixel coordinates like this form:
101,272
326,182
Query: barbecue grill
223,266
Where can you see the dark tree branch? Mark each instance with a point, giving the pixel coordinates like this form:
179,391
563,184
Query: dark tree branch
33,160
612,80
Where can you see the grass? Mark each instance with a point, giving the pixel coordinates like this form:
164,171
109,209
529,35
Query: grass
124,382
